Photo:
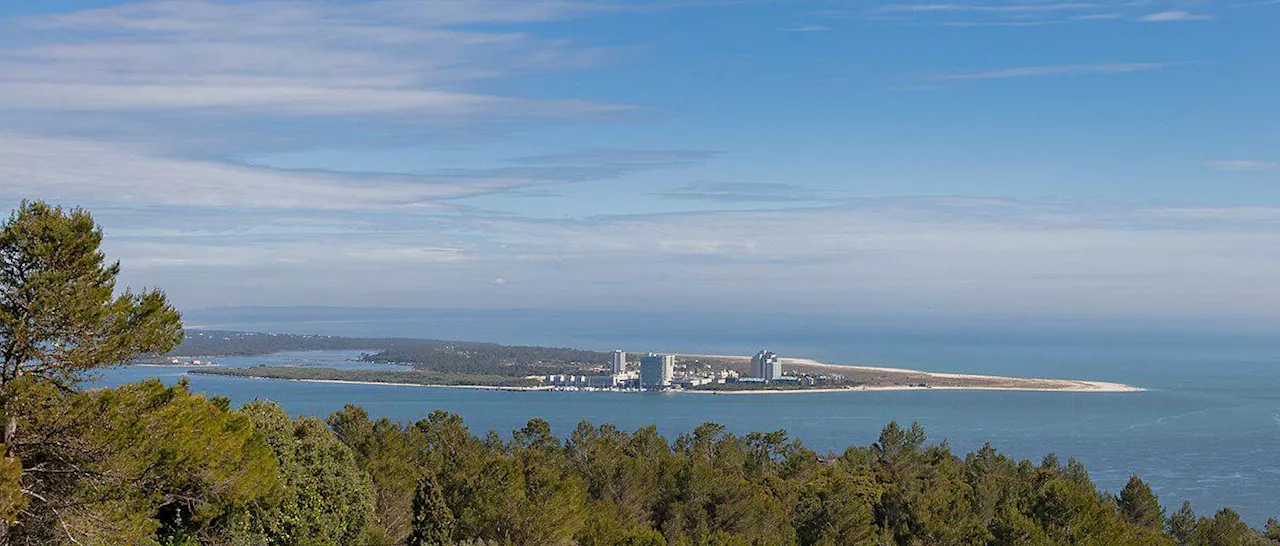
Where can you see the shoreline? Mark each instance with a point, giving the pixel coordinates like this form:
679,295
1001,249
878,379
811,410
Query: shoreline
1064,385
1096,387
1036,384
387,383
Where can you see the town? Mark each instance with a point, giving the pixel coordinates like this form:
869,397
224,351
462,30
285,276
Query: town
661,372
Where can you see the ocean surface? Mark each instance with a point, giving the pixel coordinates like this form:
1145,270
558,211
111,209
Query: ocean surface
1206,430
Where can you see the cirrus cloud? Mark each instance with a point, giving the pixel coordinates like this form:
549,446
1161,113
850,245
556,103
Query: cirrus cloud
1172,17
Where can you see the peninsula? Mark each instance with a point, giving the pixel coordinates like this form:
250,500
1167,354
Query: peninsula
457,364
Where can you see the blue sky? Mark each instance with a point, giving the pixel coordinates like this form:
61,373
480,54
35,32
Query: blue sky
1012,158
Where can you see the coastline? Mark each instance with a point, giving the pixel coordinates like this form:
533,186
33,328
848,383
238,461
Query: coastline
1085,386
1035,384
388,383
1002,383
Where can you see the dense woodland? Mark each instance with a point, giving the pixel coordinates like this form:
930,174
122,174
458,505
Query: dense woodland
147,464
408,376
228,343
433,355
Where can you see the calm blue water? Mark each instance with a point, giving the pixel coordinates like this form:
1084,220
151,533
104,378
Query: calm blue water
1207,430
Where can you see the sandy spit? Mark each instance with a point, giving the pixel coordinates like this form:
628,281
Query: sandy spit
1034,384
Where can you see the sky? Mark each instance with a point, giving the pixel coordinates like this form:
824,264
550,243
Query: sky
1023,159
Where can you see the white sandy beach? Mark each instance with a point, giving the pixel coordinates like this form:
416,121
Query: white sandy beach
1046,385
1068,384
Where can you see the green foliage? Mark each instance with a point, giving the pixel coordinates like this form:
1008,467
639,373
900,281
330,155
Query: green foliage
199,473
60,315
327,499
838,507
1225,529
432,520
536,435
1011,527
488,358
439,356
1272,530
410,377
602,486
386,452
604,529
112,466
1181,525
12,500
116,466
524,498
1139,505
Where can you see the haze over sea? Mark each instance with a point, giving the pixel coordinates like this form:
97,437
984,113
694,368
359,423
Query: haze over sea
1206,430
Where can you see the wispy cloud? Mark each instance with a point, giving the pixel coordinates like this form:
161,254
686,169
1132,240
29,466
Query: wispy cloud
878,255
980,8
1020,13
89,172
83,171
280,58
744,192
1172,16
1000,23
1098,17
142,110
806,28
1057,70
1245,165
614,156
144,103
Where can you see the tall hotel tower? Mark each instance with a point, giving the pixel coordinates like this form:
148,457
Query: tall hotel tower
765,365
656,370
619,362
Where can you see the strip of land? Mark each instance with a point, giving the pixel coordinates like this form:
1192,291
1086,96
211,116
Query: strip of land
465,364
872,378
378,383
415,378
856,378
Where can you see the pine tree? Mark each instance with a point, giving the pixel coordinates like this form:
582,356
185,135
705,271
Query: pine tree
1182,524
60,318
432,520
59,312
1139,505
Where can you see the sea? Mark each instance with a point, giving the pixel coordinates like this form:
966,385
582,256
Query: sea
1206,429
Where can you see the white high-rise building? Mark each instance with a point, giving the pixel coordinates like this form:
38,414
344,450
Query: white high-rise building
765,365
656,371
618,362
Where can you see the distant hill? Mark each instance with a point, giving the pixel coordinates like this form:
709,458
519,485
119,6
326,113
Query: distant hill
443,356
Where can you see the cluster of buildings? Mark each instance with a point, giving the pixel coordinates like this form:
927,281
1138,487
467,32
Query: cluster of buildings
766,366
658,372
